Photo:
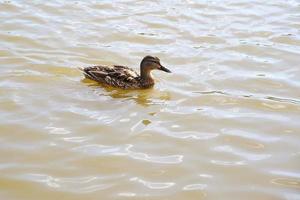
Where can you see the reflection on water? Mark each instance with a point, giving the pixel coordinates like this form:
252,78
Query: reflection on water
223,125
145,97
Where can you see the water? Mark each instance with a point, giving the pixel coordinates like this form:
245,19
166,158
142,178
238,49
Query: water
223,125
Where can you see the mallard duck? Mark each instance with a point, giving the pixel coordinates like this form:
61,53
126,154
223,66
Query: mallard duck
125,77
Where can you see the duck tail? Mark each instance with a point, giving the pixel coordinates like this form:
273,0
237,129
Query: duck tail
86,73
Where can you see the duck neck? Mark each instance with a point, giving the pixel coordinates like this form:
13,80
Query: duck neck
146,74
146,78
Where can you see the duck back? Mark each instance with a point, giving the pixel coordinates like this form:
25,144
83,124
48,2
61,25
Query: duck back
116,76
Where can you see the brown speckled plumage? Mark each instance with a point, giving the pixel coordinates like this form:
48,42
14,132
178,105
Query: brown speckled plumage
125,77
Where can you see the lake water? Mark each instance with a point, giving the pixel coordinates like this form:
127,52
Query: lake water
224,125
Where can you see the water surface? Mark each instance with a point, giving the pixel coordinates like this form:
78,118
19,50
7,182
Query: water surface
223,125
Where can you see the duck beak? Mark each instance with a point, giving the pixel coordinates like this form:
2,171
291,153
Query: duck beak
162,68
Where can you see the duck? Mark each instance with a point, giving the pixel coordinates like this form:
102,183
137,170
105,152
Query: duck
124,77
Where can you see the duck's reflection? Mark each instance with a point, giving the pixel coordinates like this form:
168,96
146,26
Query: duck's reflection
145,97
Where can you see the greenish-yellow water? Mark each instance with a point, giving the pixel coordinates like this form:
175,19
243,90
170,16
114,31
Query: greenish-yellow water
224,125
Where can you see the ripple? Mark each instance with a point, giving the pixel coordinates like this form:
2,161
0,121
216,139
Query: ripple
127,194
75,184
196,186
75,139
97,115
153,185
125,150
173,159
251,135
57,130
98,150
293,101
287,182
286,173
195,135
48,180
228,163
242,154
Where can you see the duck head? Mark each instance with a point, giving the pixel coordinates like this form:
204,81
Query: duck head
150,63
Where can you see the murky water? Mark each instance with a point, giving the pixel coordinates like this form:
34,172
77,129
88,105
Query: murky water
224,125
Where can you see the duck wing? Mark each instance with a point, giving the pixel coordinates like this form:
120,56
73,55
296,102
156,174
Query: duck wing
117,75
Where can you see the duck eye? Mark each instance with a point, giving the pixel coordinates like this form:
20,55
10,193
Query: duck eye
156,62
